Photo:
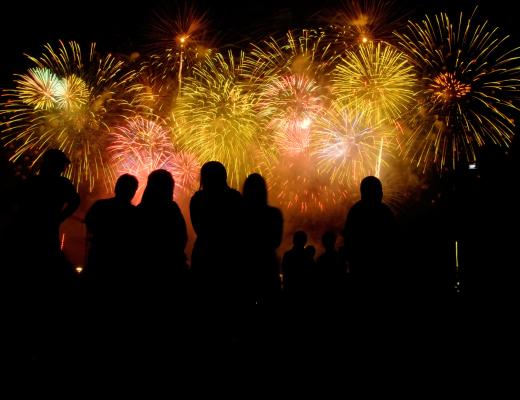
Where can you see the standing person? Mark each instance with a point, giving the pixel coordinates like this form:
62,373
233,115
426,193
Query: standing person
370,238
111,232
214,211
160,280
262,231
45,275
162,236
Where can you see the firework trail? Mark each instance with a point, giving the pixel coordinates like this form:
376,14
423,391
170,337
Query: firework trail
469,79
177,44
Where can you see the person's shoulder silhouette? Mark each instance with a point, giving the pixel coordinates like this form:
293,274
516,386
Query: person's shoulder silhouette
110,229
162,223
214,208
49,198
370,231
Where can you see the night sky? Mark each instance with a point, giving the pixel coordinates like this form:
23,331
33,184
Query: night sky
119,26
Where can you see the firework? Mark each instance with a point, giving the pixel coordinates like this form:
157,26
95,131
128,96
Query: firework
215,118
38,88
291,104
186,172
291,78
139,147
363,21
300,190
469,79
378,78
348,147
177,45
69,101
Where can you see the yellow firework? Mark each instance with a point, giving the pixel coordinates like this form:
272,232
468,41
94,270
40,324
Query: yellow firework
215,117
38,88
469,82
69,101
376,77
303,53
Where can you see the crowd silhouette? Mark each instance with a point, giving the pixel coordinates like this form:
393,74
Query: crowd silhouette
138,296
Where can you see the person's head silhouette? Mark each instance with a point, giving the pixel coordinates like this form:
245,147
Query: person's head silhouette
371,190
299,239
255,190
213,176
329,240
159,187
126,186
53,162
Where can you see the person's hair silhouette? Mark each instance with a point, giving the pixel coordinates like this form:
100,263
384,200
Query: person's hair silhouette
371,190
213,176
255,190
53,162
261,234
126,186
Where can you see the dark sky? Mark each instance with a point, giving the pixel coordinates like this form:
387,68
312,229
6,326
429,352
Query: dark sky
121,26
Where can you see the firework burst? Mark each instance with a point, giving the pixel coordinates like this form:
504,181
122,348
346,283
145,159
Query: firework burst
215,118
140,146
68,101
348,147
377,77
186,172
469,78
291,77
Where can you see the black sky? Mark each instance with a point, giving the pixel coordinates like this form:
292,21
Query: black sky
121,26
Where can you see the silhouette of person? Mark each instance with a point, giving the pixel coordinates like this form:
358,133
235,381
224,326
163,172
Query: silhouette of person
369,239
163,235
111,231
47,199
331,268
262,230
214,211
294,263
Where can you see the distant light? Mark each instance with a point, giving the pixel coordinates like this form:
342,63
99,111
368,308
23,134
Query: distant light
182,39
472,166
364,40
306,123
79,268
